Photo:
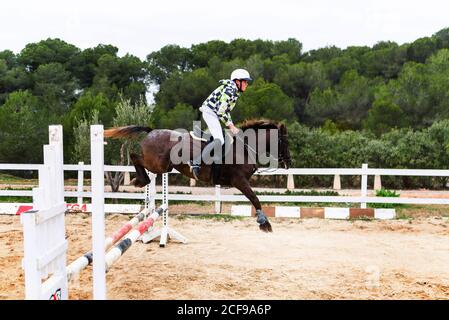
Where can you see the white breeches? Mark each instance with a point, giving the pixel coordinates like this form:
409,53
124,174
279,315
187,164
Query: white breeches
213,123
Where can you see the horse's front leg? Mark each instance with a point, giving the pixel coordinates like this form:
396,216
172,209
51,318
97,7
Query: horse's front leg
242,184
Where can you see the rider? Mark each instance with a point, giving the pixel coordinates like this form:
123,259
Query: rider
218,107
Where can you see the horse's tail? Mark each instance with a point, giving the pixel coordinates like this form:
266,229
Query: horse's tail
124,132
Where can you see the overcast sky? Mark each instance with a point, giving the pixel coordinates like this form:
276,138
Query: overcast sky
140,27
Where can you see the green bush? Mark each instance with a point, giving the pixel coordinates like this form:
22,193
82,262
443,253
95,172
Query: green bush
385,193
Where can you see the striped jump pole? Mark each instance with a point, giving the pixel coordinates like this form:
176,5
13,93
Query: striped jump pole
82,262
115,253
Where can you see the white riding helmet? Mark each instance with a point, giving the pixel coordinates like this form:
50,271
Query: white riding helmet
240,74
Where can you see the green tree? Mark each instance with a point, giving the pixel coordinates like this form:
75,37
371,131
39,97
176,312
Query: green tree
264,100
347,105
117,152
422,90
13,77
338,66
325,54
181,116
81,134
9,57
421,49
85,107
297,81
55,87
292,48
384,116
203,52
190,88
46,52
162,63
384,60
85,64
442,38
23,129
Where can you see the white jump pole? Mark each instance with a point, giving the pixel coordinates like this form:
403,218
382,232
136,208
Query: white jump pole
98,232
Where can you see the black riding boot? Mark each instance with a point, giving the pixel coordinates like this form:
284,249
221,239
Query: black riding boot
196,163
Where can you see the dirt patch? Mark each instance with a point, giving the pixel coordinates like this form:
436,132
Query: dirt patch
302,259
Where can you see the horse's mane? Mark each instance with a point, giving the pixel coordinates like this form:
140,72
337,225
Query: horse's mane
260,124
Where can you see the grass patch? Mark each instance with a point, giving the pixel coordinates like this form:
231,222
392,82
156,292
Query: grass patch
422,210
10,179
13,199
298,193
215,217
19,199
386,194
303,204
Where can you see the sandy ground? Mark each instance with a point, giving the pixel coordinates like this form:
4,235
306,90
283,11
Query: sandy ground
302,259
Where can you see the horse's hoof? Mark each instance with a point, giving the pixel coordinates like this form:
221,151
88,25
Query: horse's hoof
266,227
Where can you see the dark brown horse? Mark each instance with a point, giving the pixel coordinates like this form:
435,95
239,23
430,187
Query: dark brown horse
157,154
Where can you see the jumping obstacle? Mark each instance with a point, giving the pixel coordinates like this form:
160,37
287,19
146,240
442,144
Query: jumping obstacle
116,252
82,262
45,245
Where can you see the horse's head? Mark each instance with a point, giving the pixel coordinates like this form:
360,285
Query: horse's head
283,155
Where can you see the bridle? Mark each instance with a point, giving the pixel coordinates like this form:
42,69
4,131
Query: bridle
281,159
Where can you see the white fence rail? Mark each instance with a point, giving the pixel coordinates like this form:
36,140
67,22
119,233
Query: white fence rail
363,172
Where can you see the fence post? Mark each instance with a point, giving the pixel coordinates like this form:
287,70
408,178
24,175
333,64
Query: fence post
217,199
364,184
337,183
377,182
126,178
80,184
290,182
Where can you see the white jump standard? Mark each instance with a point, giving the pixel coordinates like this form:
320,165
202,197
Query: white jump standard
166,230
45,245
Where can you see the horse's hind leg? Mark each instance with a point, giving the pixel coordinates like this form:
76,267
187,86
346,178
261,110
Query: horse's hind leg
142,178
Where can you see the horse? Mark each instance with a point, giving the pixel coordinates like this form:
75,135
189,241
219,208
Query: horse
156,153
